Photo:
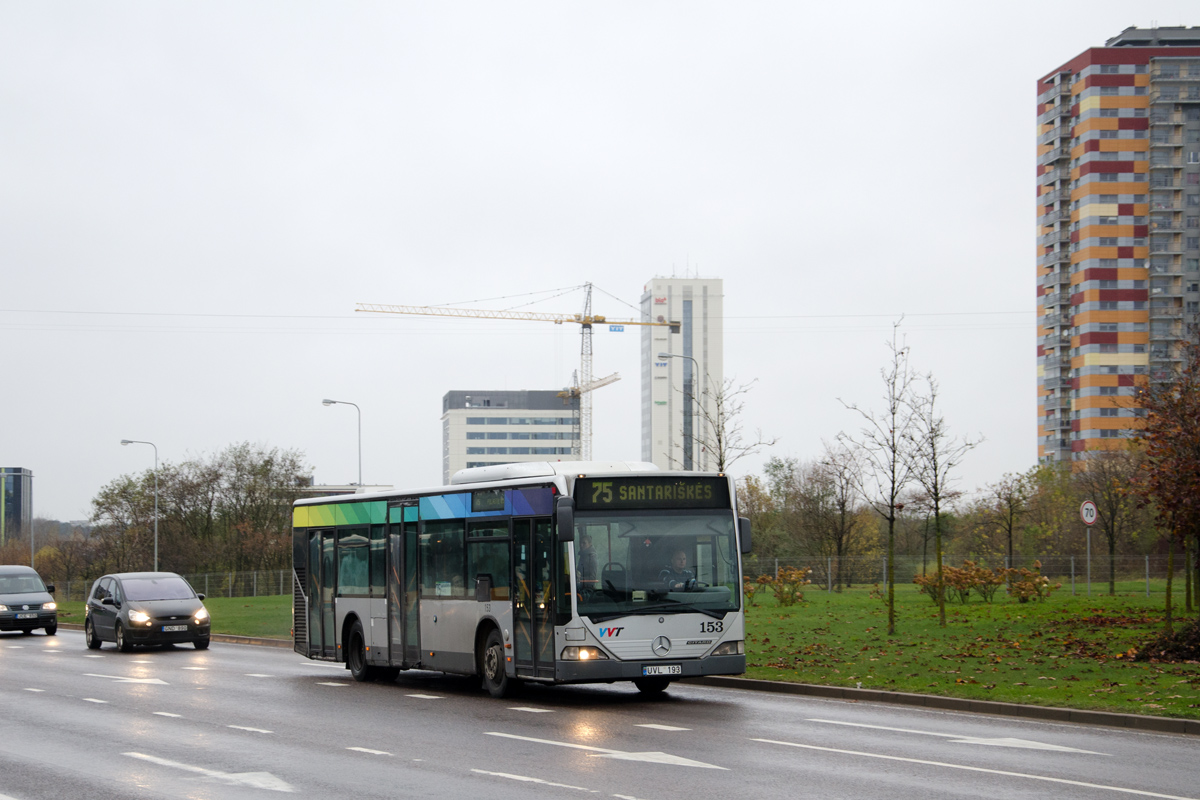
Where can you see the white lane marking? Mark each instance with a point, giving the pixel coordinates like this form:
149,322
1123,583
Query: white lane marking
654,757
426,696
369,751
532,710
626,797
244,728
141,661
123,679
331,666
653,726
35,690
16,647
94,700
1003,741
976,769
199,669
528,779
257,780
167,714
93,656
331,683
258,675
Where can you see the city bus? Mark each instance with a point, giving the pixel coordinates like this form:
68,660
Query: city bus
566,572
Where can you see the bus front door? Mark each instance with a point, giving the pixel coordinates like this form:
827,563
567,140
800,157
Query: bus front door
403,589
533,598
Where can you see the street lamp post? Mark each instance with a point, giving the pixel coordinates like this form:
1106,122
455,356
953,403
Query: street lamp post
695,429
359,410
152,444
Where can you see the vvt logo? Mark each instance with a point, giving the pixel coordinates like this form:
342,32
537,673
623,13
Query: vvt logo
609,631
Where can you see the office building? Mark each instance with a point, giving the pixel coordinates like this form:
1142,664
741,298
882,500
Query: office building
1118,177
481,428
679,393
16,509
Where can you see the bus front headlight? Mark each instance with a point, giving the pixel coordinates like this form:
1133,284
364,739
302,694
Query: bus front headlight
583,654
737,648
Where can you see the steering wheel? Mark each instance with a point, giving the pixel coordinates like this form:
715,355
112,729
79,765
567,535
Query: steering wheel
613,566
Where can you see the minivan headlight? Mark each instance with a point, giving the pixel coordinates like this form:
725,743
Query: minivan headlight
3,608
140,617
202,614
49,606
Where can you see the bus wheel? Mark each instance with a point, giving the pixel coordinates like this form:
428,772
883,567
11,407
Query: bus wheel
652,686
495,680
356,655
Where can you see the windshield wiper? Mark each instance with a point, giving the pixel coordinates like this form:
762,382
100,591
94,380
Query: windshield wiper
677,606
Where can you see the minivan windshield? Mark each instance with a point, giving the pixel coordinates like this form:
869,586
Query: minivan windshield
172,588
655,563
21,584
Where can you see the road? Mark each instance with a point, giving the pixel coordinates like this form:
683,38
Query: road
237,721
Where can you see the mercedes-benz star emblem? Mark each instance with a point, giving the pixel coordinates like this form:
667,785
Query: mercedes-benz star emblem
661,646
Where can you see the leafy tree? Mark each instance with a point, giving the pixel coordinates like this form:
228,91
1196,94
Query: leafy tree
1169,474
1106,478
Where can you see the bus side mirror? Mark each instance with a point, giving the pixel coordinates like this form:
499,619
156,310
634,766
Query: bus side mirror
744,534
564,509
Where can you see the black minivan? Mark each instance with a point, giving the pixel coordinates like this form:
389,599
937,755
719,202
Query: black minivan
132,608
25,602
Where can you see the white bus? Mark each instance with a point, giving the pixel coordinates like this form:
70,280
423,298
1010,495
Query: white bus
550,573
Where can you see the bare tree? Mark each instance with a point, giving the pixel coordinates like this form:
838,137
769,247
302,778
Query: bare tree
883,446
721,434
1107,480
1008,502
841,472
934,456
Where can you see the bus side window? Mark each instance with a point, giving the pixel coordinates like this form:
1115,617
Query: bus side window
443,560
378,561
352,562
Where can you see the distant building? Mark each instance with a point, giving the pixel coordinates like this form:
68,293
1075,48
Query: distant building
16,508
678,393
1118,184
482,428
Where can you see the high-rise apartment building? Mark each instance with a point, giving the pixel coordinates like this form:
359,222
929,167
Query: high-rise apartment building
482,428
1118,171
679,391
16,513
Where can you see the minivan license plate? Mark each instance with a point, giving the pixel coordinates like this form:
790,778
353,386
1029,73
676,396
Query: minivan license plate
663,669
27,616
174,628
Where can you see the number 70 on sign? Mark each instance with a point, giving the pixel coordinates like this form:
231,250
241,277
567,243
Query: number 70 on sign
1087,512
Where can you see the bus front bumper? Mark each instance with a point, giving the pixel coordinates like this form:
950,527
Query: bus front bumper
613,670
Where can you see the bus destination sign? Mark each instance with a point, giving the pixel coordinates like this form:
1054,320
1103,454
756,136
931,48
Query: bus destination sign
622,494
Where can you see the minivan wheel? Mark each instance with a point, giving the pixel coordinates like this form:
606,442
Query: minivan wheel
200,644
52,629
89,633
123,644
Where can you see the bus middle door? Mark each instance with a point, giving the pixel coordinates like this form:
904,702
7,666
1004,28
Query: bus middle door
533,598
403,589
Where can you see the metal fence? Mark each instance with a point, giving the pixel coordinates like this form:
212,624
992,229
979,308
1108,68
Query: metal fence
258,583
1077,573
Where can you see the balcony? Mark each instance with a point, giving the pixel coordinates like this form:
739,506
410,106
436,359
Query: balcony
1053,196
1052,259
1167,334
1056,154
1184,73
1164,225
1057,132
1054,237
1056,382
1166,118
1166,140
1055,320
1159,162
1174,248
1055,175
1166,312
1166,291
1055,299
1166,269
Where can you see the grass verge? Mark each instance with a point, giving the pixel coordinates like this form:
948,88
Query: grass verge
238,616
1070,652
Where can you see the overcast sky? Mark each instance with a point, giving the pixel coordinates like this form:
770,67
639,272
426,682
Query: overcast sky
193,197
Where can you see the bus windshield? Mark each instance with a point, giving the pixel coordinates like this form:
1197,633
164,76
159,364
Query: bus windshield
662,562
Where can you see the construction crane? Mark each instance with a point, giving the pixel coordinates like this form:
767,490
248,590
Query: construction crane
584,386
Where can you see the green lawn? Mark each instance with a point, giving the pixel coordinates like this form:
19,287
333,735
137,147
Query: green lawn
1061,652
239,616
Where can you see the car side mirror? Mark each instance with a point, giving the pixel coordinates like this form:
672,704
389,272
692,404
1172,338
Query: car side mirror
107,601
200,595
564,509
50,588
744,534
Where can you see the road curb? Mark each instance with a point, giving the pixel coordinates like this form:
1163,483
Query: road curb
1044,713
261,641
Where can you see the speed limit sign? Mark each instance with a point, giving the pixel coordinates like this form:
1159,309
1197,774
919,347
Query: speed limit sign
1087,512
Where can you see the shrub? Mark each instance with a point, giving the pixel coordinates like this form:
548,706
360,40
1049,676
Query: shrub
1026,584
788,585
959,582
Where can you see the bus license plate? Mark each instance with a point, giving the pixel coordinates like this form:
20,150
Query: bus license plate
27,616
663,669
174,628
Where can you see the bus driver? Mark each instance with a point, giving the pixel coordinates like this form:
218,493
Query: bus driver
676,575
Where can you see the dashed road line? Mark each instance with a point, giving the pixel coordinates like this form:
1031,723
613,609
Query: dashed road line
528,779
369,751
244,728
532,710
332,683
426,696
656,727
93,700
167,714
35,690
